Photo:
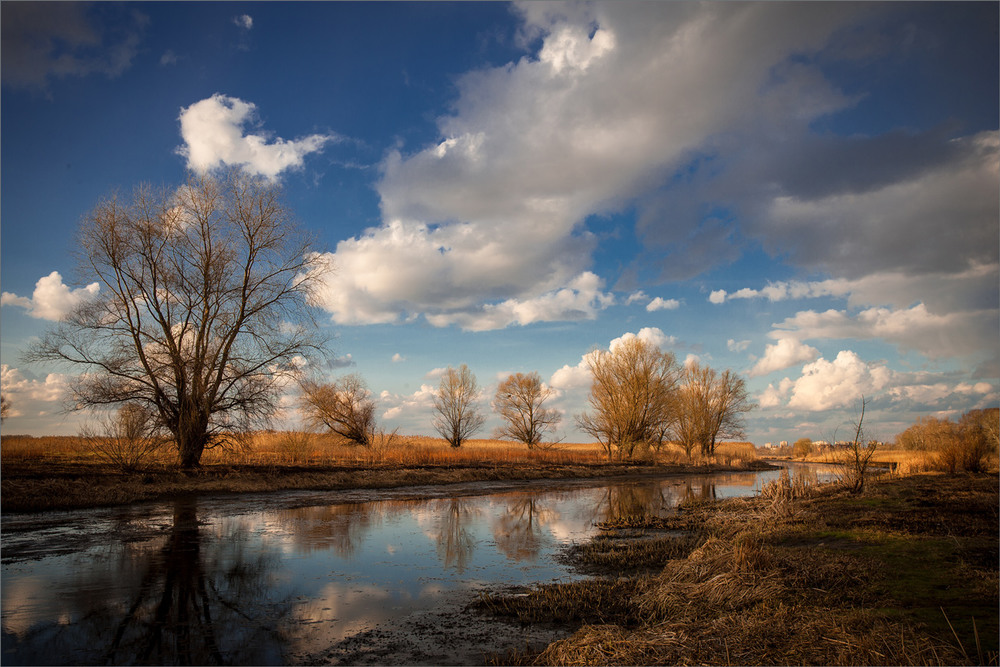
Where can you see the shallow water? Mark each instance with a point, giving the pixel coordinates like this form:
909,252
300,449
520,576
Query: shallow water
305,578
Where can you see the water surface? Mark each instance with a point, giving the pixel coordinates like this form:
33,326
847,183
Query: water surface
304,578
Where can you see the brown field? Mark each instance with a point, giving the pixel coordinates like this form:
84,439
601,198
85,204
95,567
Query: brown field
41,473
311,449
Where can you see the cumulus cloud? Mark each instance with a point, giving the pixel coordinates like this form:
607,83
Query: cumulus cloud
490,218
243,21
701,117
398,407
214,136
45,41
659,303
785,353
52,299
828,385
30,396
825,385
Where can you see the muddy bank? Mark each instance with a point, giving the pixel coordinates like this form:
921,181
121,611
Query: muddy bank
26,487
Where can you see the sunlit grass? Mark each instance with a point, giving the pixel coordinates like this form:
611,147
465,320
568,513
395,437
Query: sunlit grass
311,449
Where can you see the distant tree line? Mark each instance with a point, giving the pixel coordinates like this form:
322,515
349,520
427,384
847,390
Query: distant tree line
963,445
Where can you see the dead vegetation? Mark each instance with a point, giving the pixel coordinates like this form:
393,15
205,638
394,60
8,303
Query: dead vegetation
64,472
905,573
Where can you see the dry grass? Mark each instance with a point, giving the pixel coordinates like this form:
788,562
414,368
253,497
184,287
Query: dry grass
311,449
904,574
901,461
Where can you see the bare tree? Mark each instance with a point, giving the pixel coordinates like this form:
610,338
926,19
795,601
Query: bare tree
204,310
345,407
711,408
632,396
4,408
458,418
520,401
856,461
127,438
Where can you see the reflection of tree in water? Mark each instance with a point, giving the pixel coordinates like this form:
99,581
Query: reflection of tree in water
338,527
518,531
454,543
626,500
195,607
699,491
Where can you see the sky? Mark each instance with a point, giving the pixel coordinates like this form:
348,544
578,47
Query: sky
805,193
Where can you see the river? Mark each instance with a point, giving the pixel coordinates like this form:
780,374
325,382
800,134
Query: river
308,578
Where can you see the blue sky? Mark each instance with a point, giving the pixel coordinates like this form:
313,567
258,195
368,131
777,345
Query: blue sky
806,193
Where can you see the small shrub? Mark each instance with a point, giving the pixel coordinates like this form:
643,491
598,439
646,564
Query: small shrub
127,439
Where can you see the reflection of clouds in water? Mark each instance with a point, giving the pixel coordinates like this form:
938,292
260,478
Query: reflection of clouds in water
338,610
301,578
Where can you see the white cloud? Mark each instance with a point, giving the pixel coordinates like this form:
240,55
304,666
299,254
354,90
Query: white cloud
581,299
783,354
934,335
397,358
244,21
691,359
52,299
635,296
659,303
24,392
651,335
487,226
717,296
734,345
973,287
400,407
840,383
213,133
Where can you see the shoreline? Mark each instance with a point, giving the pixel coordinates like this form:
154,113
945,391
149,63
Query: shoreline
49,486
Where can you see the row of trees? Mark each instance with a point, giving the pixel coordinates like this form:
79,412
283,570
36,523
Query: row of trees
346,407
205,317
640,398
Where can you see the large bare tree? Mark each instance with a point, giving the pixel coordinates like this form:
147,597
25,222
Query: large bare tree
520,401
458,417
345,407
632,396
204,308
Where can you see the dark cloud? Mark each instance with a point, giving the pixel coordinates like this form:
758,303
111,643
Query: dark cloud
42,41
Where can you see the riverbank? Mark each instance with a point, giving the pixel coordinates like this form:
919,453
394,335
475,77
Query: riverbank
31,487
906,573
